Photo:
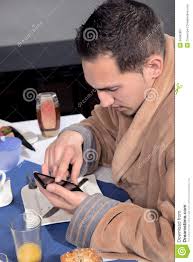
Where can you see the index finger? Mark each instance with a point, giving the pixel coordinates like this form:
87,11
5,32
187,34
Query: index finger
45,169
63,168
76,171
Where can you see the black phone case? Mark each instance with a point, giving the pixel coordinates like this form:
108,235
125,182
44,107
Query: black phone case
66,184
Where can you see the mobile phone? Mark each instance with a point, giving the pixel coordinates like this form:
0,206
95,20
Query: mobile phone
45,180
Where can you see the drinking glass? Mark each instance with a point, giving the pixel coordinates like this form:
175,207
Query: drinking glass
25,229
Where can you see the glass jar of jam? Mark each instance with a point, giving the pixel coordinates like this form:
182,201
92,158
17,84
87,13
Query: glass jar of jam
48,113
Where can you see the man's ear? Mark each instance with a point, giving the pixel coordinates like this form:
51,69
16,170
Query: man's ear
154,66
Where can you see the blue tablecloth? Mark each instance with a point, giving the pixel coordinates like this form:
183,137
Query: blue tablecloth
53,236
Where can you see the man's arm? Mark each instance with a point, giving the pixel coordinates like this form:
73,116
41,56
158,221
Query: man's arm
89,145
100,134
111,226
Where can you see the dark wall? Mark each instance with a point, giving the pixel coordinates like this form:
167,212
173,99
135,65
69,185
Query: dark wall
166,11
57,20
18,91
51,42
53,64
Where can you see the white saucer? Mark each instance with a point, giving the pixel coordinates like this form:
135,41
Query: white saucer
6,196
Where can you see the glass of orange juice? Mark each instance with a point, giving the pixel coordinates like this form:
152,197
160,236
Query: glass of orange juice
26,232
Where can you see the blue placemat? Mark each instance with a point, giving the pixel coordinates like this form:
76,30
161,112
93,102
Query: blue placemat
53,236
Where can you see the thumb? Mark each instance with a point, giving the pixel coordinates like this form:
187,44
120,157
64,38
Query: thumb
60,191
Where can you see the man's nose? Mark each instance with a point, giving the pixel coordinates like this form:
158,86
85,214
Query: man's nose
105,99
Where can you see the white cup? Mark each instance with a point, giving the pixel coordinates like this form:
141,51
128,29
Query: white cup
2,179
6,196
3,257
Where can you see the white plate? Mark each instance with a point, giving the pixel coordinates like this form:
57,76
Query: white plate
41,205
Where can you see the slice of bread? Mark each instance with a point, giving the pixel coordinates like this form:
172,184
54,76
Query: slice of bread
81,255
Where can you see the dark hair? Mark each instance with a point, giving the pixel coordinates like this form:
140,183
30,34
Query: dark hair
129,30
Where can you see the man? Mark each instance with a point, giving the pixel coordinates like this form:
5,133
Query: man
130,63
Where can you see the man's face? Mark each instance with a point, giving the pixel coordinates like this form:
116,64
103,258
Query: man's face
123,91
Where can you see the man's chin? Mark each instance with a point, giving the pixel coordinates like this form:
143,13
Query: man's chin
126,111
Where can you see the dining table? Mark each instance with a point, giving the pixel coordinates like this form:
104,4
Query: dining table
53,239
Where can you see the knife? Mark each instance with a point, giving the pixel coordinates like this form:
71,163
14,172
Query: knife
53,210
22,138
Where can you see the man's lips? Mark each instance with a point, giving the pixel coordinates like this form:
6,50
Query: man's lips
123,109
120,108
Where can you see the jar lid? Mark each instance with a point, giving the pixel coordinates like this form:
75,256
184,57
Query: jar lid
9,143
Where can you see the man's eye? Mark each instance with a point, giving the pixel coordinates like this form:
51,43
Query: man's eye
113,89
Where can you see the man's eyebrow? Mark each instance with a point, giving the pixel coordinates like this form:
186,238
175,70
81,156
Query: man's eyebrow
103,88
107,88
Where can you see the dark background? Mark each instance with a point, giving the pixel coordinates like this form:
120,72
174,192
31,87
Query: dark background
47,59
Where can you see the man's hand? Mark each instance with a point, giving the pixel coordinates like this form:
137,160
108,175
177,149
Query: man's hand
65,150
62,198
